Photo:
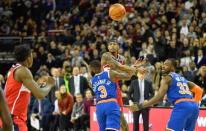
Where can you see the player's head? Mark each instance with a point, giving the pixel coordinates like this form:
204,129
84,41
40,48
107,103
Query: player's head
95,67
169,66
113,46
23,54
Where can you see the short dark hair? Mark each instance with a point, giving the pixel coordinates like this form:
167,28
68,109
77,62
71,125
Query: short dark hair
22,52
173,62
95,64
113,39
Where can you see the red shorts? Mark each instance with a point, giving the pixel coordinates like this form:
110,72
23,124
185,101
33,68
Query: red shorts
19,124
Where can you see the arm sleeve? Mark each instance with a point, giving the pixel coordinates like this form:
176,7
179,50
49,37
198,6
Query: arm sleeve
197,93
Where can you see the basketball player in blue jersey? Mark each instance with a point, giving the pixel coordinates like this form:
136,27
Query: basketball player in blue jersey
104,87
179,92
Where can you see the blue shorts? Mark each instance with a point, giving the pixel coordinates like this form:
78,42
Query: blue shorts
108,116
183,116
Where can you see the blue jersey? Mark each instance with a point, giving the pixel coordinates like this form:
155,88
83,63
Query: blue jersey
103,87
178,88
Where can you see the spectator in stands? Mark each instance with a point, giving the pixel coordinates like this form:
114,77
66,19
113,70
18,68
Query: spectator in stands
55,113
184,27
51,60
76,59
187,58
65,103
56,74
201,78
193,69
77,83
187,73
200,58
42,109
77,113
139,91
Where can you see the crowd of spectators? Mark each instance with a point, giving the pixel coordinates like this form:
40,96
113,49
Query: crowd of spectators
70,33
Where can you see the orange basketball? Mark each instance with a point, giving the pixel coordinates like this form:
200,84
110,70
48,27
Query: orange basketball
117,11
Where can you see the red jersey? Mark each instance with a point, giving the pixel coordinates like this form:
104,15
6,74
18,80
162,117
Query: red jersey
106,67
17,95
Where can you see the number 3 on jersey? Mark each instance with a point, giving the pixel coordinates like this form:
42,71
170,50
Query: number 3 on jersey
184,89
103,91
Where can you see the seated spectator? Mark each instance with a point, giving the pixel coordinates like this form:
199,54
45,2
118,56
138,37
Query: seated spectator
200,59
201,80
187,73
42,109
77,113
55,113
65,103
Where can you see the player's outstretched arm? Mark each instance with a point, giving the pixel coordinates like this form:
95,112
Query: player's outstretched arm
196,90
107,59
160,94
24,75
4,114
117,75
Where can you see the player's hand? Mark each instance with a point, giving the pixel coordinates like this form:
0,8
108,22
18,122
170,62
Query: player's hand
48,80
134,107
139,62
42,80
51,81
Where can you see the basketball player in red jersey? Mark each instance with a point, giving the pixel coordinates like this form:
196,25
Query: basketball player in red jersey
20,84
113,48
4,114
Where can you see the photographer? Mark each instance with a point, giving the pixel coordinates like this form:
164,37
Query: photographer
77,113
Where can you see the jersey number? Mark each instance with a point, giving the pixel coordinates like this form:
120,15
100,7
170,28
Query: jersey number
184,89
103,91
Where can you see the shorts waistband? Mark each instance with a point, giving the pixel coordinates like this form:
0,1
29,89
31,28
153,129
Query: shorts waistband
107,100
184,99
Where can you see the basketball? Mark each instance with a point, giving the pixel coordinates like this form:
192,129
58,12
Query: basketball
117,12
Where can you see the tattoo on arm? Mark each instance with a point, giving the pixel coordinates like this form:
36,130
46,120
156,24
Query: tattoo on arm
107,59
